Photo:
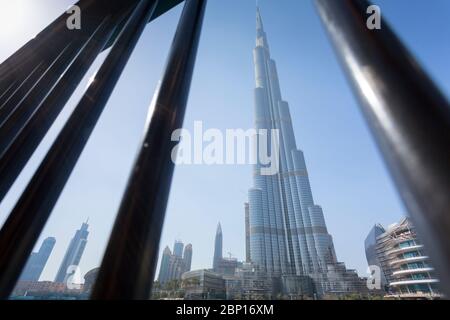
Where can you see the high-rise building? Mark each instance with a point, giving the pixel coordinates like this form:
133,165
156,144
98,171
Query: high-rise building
287,229
247,233
174,265
74,253
178,248
404,262
165,265
187,257
36,263
370,245
203,285
218,247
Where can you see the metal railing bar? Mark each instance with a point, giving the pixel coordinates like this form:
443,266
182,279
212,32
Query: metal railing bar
18,85
27,53
26,221
17,154
409,118
26,107
7,90
128,266
30,84
21,113
69,42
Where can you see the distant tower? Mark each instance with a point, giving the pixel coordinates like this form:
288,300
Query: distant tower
165,265
218,247
187,257
73,253
370,245
36,263
247,233
178,248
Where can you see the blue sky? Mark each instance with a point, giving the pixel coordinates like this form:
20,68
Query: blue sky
348,177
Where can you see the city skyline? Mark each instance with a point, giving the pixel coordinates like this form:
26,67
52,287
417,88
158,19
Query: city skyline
172,264
323,133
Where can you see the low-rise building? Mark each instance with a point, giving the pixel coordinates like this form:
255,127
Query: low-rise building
405,264
203,284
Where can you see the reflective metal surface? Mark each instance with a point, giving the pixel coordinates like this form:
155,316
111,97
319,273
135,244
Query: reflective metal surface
408,115
129,264
27,219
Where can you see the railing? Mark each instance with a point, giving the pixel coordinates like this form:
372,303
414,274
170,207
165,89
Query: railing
408,116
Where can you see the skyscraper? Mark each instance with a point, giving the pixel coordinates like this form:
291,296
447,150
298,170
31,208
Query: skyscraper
187,257
404,262
178,248
165,265
73,253
370,245
217,247
36,263
247,233
288,234
174,265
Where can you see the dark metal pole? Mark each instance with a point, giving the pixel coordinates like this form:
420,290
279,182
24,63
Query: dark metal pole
26,221
58,48
128,267
7,90
19,115
15,157
408,115
17,64
30,84
17,85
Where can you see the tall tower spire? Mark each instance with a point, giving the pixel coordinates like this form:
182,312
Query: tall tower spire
259,23
261,38
218,247
287,233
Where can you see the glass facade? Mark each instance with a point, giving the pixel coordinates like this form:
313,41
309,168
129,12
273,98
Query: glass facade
288,234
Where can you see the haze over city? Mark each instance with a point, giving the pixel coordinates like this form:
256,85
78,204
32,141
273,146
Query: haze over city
347,174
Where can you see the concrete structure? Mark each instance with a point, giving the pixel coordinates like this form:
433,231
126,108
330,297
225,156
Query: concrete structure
405,264
74,253
250,283
204,285
37,261
227,266
342,281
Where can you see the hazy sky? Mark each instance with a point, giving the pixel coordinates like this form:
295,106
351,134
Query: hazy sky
347,175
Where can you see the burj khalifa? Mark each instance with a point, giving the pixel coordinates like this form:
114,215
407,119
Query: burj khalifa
287,230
